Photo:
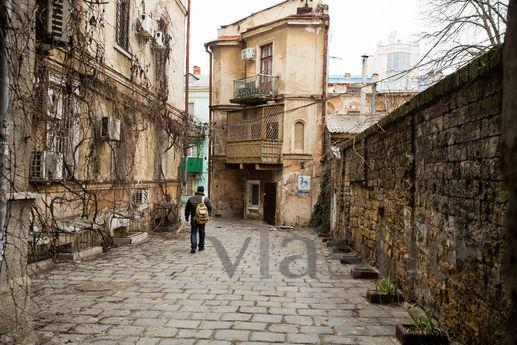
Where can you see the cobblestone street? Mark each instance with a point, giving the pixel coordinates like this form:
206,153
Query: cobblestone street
160,293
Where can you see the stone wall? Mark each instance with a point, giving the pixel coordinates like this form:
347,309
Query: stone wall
423,198
509,146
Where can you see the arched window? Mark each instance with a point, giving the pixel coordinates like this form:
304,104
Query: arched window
299,137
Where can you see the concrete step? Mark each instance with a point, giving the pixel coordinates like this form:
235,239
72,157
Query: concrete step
81,255
131,240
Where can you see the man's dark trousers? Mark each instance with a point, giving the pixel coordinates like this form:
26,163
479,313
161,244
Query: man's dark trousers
195,227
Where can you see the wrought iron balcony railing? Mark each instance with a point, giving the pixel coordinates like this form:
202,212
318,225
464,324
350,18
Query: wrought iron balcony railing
256,89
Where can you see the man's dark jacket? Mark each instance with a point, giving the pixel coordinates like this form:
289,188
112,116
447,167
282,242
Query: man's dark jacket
193,201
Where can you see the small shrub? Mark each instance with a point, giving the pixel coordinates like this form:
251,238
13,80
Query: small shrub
425,324
387,286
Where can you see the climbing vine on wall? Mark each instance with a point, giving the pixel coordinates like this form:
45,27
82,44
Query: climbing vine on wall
320,217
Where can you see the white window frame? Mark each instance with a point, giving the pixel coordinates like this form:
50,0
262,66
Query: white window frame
249,189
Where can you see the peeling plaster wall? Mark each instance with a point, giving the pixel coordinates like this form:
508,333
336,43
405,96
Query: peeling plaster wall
276,12
300,74
425,200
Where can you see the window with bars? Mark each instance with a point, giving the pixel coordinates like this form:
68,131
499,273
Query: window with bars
122,26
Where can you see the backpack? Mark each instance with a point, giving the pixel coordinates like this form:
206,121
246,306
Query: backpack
202,212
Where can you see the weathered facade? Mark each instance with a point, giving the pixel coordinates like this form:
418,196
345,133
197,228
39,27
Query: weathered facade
269,80
198,155
424,200
19,45
345,96
107,123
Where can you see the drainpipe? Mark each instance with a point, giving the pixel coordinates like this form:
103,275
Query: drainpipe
186,120
324,82
5,14
210,148
363,88
373,106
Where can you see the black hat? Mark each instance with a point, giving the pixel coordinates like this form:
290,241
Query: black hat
201,189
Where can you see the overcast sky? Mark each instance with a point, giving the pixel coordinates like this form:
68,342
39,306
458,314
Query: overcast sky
356,26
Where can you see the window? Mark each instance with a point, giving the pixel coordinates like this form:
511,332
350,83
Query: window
398,61
122,34
253,194
272,131
36,170
191,108
299,137
266,59
141,196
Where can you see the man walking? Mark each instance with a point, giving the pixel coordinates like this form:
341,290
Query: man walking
197,209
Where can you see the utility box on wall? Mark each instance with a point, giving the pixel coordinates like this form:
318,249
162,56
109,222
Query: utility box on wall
194,165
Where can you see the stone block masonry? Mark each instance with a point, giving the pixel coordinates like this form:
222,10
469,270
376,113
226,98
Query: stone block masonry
423,198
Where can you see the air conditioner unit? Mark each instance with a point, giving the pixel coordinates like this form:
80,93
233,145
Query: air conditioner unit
141,196
145,26
110,128
58,20
159,40
248,54
46,166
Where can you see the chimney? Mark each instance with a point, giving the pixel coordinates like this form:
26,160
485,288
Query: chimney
304,10
375,77
197,71
363,88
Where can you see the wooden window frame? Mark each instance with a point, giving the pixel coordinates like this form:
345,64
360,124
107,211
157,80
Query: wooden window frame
266,59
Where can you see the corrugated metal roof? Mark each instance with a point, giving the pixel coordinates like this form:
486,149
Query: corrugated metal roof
340,79
341,123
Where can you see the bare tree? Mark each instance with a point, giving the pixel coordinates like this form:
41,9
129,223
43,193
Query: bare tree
459,30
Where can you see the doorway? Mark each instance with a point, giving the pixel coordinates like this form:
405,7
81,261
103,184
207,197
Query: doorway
270,203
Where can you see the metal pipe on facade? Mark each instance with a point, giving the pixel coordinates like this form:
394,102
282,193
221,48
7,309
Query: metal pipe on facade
186,120
373,106
324,82
363,88
5,14
210,120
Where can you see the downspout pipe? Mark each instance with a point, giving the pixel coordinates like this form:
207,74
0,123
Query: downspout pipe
324,82
210,120
186,115
5,14
363,87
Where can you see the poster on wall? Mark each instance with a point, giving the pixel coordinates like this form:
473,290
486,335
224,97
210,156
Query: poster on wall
304,185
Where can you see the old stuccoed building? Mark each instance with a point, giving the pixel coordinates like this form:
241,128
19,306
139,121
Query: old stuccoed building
94,123
425,201
107,118
269,79
15,307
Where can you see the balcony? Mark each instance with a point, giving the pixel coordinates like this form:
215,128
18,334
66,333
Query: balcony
255,90
255,136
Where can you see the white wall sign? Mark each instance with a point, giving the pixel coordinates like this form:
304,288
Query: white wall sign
304,185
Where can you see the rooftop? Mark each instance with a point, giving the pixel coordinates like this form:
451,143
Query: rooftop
198,81
341,79
341,123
